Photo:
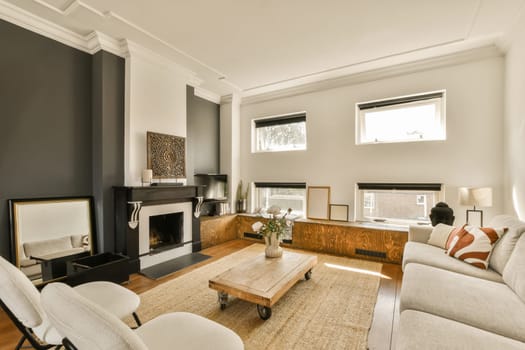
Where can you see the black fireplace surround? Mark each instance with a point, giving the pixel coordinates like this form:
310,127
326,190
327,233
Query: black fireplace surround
128,201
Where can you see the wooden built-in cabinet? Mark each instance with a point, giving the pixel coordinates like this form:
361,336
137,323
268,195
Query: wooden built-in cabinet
217,229
338,238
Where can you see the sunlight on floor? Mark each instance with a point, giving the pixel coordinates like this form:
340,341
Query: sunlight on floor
353,269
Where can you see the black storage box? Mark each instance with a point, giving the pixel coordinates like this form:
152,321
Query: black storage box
100,267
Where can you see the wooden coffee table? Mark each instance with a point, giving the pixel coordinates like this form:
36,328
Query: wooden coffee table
263,281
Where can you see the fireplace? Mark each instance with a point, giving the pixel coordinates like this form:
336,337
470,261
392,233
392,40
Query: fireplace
132,227
165,231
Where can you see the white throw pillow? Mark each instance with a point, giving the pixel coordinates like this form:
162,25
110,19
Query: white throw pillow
439,235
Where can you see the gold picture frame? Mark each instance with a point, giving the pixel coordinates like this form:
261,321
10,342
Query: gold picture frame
166,155
39,221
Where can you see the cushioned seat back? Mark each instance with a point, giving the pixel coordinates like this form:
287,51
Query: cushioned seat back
514,273
85,324
48,246
20,295
504,247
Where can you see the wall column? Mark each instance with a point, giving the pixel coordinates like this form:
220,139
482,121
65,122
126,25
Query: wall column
230,156
108,141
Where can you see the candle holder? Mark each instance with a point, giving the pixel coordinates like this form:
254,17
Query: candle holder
147,176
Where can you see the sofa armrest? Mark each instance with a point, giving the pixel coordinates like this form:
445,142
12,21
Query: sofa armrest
418,233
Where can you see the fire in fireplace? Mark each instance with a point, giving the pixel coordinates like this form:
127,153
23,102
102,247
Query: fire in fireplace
166,231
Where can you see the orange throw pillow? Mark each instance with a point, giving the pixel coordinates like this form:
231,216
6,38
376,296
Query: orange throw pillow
473,244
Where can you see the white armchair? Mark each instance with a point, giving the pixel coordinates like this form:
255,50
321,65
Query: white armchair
21,301
87,326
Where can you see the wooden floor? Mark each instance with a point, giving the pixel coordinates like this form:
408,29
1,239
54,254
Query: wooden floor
382,333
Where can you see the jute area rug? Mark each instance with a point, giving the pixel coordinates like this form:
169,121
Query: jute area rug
333,310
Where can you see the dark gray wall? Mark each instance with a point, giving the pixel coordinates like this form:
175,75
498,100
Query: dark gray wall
61,125
45,111
202,135
108,140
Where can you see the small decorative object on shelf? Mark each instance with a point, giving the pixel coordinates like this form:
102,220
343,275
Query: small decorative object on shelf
147,175
273,230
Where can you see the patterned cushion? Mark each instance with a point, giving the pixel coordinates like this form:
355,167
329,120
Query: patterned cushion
473,244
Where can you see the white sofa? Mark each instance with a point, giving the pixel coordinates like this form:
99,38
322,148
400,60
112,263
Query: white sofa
49,249
446,303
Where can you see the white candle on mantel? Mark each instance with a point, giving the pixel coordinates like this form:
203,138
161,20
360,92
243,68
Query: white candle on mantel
147,175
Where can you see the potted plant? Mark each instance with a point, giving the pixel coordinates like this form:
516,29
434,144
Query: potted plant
242,198
273,230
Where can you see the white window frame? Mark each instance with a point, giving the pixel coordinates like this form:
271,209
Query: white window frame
436,98
295,185
360,201
276,118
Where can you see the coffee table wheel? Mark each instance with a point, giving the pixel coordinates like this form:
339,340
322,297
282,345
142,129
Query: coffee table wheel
264,312
308,275
223,299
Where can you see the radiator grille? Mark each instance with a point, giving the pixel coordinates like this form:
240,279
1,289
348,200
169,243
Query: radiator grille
373,253
253,235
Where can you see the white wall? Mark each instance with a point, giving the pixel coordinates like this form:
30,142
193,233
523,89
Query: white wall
230,145
515,123
471,155
155,101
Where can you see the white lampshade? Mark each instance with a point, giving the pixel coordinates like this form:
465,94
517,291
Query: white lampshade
477,196
147,175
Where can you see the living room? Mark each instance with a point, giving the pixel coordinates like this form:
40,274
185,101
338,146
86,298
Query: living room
83,82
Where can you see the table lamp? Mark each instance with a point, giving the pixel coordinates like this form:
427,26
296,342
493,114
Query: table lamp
477,197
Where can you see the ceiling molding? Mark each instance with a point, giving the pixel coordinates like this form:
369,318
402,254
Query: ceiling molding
29,21
90,43
418,54
515,29
96,41
207,95
375,74
77,5
373,69
132,49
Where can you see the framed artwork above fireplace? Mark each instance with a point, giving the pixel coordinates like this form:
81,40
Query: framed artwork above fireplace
166,155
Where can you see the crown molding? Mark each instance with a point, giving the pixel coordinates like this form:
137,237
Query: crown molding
207,95
515,31
31,22
478,53
132,49
96,41
90,43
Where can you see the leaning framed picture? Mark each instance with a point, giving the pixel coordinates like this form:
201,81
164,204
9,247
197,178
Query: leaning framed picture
338,212
317,202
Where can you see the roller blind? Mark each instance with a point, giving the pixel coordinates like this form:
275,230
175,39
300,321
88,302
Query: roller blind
280,184
289,119
399,100
399,186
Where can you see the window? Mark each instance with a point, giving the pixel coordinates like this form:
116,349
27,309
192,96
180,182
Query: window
402,119
279,133
396,203
369,200
284,195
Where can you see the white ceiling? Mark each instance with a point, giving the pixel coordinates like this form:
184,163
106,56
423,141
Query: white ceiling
265,45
